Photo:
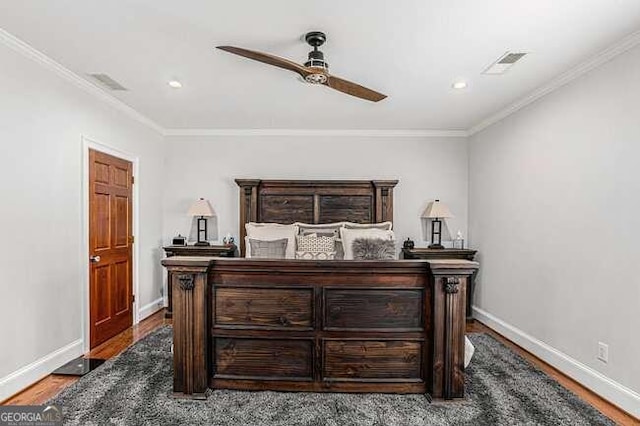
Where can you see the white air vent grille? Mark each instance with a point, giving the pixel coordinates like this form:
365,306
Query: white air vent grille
108,82
505,62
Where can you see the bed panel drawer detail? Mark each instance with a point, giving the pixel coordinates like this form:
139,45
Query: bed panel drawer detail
371,360
268,308
384,310
273,359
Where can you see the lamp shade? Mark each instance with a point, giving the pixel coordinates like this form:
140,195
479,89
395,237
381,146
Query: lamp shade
201,208
437,210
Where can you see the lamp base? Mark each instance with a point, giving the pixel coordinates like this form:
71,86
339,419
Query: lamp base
202,244
436,246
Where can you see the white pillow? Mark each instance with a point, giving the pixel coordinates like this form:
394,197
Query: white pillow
387,226
270,232
349,235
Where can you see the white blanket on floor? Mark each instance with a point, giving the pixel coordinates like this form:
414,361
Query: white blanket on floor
469,349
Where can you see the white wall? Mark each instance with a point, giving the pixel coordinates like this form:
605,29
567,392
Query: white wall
42,120
206,166
555,214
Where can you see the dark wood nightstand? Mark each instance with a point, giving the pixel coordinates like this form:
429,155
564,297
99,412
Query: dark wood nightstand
229,250
447,253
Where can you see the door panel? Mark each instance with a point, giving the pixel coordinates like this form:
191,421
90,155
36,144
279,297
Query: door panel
121,230
100,287
101,224
121,284
110,225
121,177
101,172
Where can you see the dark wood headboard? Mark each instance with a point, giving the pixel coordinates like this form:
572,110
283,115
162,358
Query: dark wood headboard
314,201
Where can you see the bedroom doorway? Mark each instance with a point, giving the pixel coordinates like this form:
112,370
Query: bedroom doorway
110,256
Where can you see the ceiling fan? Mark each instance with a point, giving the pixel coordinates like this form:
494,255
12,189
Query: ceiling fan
314,71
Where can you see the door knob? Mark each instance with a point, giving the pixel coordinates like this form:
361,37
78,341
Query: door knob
94,259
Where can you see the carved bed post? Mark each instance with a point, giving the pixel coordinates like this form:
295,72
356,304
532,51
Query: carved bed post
248,207
384,199
190,343
449,280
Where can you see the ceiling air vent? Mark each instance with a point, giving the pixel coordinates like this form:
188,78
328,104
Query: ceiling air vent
505,62
108,82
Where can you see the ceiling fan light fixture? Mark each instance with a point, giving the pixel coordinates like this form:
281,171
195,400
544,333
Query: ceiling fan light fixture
317,78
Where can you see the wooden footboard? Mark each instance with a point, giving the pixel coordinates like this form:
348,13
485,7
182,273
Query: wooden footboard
329,326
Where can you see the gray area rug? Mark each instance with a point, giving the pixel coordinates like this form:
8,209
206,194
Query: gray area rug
502,389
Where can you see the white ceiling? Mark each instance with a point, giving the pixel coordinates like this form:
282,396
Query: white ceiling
411,50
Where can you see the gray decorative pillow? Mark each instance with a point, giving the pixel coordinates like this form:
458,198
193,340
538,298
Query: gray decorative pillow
274,249
374,249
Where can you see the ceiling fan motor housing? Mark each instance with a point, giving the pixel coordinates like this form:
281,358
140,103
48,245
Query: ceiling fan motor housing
316,57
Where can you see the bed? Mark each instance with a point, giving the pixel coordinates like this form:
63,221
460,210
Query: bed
393,326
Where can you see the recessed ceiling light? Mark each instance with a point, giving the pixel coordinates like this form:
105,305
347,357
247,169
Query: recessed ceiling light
459,84
175,84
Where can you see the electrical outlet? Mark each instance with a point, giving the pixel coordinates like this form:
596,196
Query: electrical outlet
603,352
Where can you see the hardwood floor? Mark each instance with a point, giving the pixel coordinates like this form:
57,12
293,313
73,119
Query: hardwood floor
51,385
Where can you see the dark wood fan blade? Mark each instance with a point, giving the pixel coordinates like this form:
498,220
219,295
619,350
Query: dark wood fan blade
267,59
354,89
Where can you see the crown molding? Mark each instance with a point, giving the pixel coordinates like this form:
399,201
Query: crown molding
563,79
30,52
399,133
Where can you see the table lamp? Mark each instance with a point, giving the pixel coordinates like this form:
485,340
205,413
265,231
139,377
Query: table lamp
203,209
436,211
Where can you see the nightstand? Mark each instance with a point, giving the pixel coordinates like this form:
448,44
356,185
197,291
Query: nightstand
447,253
229,250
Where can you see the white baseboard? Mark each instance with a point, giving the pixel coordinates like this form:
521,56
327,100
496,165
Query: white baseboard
30,374
151,308
612,391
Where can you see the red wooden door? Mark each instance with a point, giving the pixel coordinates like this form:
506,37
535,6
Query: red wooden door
110,241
